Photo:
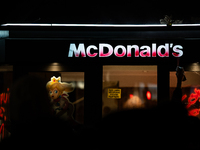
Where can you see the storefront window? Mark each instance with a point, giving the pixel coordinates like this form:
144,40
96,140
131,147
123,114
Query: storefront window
190,91
73,93
76,96
6,80
128,87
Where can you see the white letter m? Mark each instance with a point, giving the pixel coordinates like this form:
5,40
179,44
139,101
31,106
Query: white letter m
72,48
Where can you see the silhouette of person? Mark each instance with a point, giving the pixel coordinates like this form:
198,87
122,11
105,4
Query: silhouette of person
166,126
32,122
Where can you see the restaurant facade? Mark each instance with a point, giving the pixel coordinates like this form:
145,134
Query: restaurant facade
111,67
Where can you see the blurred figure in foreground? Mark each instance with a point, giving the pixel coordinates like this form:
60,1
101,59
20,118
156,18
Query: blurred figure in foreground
32,122
167,126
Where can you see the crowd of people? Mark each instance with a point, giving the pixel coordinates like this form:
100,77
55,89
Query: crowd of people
34,126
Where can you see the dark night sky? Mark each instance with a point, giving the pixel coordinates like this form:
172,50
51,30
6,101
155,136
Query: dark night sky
118,12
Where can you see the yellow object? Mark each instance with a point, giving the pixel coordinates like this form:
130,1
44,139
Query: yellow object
61,86
114,93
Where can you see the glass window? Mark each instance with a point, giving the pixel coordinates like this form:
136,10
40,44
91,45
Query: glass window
77,96
73,93
190,91
128,87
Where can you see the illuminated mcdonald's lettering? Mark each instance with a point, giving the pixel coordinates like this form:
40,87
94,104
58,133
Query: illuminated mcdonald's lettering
106,50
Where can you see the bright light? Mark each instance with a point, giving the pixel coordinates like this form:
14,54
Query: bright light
99,25
80,84
186,25
55,64
109,25
131,95
133,102
85,25
25,24
148,94
4,34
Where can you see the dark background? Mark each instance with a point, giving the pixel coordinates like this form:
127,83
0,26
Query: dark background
98,12
94,12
